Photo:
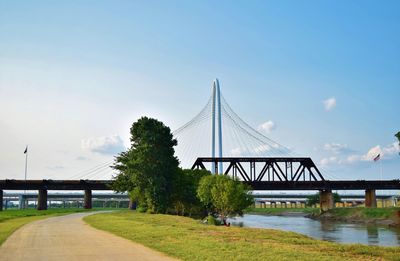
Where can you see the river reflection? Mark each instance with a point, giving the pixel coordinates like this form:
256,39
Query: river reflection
325,230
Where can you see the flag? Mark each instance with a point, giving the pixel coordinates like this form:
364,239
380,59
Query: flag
26,150
378,157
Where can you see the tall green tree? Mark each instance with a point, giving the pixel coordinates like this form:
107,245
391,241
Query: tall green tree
225,196
398,136
184,196
148,168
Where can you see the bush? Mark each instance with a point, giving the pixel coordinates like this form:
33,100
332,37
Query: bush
211,220
224,196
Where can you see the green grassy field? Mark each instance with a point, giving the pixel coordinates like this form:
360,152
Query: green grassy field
11,220
188,239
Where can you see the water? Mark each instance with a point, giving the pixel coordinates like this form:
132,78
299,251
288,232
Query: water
325,230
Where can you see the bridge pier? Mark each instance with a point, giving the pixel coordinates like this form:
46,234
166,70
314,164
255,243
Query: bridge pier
326,200
21,202
370,198
88,199
42,199
1,200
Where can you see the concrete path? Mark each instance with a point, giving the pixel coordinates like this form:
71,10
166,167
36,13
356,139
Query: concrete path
70,238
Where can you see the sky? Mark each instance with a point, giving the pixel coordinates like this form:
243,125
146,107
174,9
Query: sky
321,77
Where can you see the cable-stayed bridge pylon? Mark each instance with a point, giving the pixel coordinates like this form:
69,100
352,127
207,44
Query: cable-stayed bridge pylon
218,131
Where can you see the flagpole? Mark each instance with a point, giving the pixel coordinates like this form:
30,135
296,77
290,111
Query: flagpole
26,166
380,166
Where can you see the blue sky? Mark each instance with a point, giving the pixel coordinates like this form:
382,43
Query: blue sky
75,75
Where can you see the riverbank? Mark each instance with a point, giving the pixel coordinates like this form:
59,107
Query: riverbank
379,216
188,239
282,211
11,220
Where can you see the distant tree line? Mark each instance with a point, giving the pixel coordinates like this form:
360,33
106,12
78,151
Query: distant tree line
314,199
149,171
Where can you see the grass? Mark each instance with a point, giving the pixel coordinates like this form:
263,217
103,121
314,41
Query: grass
188,239
354,213
11,220
368,213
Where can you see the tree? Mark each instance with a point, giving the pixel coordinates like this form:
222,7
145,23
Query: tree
398,137
184,198
204,192
314,199
147,169
224,196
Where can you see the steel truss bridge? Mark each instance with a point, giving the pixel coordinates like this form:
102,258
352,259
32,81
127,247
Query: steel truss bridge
288,174
282,168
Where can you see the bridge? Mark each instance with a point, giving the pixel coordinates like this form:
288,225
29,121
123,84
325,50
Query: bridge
247,154
324,186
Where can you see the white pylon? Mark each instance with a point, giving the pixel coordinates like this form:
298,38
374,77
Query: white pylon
216,105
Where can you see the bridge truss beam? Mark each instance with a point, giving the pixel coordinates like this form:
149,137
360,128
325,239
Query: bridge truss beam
283,169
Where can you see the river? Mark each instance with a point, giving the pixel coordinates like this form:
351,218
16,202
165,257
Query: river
325,230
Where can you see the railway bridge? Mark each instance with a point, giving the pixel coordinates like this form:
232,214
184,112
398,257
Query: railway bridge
276,174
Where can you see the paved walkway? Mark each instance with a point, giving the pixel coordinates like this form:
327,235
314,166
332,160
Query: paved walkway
70,238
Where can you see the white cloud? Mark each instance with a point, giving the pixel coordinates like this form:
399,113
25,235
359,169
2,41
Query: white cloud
391,149
330,103
386,152
353,158
267,126
329,161
336,148
104,145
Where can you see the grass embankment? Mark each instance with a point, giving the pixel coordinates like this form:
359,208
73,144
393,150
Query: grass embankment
188,239
391,216
281,211
11,220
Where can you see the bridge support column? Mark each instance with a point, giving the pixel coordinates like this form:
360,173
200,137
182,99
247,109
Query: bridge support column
370,198
42,200
88,199
21,202
1,200
326,200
